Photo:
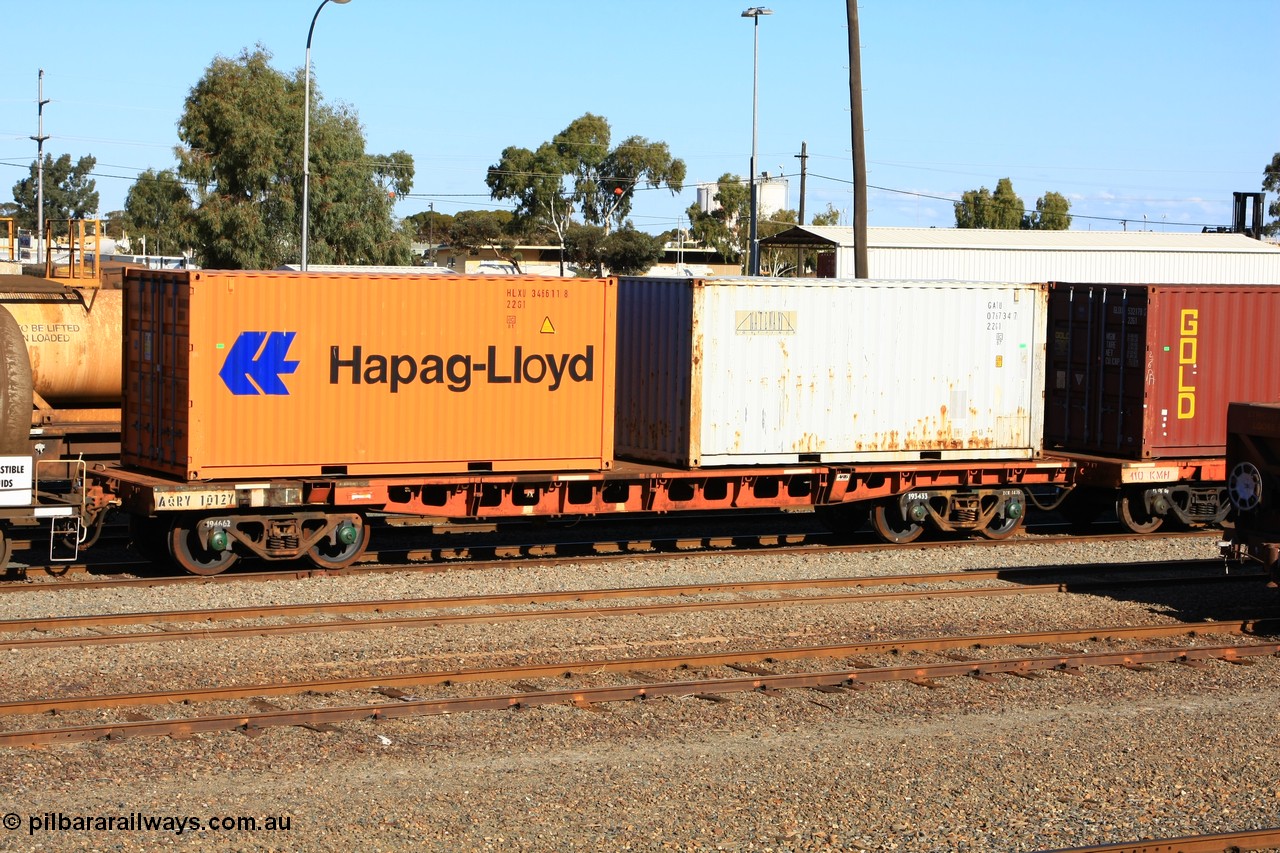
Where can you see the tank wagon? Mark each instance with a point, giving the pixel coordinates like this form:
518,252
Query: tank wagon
72,332
40,499
1253,460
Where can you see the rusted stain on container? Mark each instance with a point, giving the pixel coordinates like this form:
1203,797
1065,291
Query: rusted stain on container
828,370
254,374
73,337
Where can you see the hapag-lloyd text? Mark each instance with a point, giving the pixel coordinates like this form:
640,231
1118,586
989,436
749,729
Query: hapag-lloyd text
457,371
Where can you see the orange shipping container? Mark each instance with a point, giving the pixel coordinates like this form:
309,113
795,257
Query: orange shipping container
280,374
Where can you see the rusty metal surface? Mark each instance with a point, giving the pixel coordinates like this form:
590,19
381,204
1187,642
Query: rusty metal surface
74,337
741,660
726,371
1224,842
408,707
443,559
441,619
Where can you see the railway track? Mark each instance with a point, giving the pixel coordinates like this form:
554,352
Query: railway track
755,670
1226,842
1018,582
693,666
118,573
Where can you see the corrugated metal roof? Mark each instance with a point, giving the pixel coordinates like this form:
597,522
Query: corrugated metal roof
982,238
357,269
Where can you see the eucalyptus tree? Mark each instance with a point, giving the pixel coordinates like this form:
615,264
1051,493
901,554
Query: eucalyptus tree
1003,209
158,214
69,191
241,148
1050,213
624,251
577,172
1271,183
981,208
472,231
724,228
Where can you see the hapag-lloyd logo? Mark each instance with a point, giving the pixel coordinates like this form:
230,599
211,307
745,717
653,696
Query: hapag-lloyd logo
459,371
257,361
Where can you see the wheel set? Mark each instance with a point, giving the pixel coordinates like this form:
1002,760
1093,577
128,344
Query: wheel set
900,520
209,545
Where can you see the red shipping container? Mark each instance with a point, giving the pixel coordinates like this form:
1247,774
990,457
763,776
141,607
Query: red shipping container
1146,371
257,374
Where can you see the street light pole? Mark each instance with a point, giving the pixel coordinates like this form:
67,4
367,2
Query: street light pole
306,135
40,139
753,263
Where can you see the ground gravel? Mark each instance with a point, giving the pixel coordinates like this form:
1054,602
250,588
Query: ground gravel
1014,764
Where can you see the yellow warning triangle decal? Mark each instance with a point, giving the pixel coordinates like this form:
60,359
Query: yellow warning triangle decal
547,328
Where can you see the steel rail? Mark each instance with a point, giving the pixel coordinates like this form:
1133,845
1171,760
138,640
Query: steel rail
413,560
1252,839
222,614
561,669
438,620
582,697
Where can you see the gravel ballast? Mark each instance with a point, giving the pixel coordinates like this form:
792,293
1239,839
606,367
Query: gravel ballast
1014,764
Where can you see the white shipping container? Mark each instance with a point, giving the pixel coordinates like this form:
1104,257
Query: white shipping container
735,371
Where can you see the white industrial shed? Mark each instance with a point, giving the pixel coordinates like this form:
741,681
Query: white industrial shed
1096,257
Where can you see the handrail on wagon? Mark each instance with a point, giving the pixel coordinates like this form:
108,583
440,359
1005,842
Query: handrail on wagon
83,247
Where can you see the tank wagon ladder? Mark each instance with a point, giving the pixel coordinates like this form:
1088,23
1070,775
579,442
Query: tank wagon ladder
58,495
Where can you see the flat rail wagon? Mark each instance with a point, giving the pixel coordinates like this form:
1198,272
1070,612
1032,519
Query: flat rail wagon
273,414
205,526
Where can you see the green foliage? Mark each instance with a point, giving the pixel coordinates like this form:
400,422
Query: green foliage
241,135
1003,209
69,191
159,210
774,261
625,251
780,262
725,229
578,171
1051,213
584,247
535,180
475,230
113,224
631,252
830,216
428,226
972,210
1271,183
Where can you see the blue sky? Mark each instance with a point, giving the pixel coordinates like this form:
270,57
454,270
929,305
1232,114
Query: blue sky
1150,112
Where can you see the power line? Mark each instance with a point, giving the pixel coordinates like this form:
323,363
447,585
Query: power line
636,187
1120,219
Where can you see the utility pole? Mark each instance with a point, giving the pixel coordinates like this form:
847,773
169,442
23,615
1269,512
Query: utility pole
803,157
431,233
753,258
859,152
39,139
